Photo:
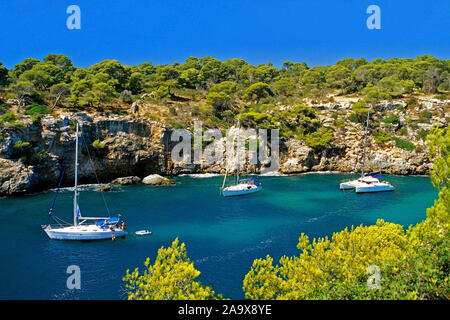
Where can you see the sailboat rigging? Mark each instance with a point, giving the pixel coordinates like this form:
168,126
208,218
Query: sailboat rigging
244,186
367,182
105,228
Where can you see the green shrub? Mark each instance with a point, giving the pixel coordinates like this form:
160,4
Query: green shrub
126,96
402,131
152,117
425,116
335,115
319,139
174,124
423,134
392,118
253,118
381,136
339,123
8,117
37,158
37,109
411,101
400,108
21,149
100,148
4,107
442,96
359,114
295,121
195,111
98,145
404,144
172,110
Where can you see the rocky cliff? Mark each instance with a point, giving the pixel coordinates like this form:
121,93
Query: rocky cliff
116,146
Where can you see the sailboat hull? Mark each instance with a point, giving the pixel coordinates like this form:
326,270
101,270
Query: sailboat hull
348,185
377,187
84,232
240,190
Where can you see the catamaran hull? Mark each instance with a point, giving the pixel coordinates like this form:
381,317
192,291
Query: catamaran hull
348,185
56,234
231,193
369,189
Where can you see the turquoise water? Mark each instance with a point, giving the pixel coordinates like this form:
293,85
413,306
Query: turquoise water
223,235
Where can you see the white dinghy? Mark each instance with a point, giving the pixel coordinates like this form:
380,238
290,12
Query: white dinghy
143,232
104,228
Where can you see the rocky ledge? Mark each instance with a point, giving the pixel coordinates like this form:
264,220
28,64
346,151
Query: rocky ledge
126,149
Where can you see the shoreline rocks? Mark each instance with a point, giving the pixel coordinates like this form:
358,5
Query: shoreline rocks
125,181
156,180
129,148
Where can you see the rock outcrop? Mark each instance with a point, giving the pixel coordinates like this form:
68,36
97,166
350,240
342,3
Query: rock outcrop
126,149
125,181
156,180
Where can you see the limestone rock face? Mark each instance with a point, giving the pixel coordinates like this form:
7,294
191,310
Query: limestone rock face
15,178
156,180
130,147
124,181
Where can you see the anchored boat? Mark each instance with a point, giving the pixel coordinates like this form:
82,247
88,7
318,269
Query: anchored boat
374,186
367,182
244,186
104,228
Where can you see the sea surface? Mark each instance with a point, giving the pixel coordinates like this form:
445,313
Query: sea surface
222,235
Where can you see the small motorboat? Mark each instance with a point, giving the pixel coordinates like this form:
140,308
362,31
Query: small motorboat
143,232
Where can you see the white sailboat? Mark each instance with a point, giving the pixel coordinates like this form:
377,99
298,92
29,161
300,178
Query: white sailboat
379,186
104,228
367,182
244,186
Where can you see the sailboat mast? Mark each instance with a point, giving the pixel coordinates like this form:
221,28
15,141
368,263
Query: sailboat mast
365,144
238,146
75,202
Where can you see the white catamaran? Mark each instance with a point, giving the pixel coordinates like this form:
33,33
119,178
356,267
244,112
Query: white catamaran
367,182
244,186
104,228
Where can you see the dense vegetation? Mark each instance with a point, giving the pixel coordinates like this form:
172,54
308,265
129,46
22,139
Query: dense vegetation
217,92
412,264
57,82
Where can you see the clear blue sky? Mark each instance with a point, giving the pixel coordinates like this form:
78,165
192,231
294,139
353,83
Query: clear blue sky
319,32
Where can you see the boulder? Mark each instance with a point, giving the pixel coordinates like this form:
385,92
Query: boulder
156,180
124,181
15,178
105,188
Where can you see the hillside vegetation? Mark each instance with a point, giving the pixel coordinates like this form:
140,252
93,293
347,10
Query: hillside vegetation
218,92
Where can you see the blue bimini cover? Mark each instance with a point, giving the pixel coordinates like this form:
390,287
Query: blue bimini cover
113,220
101,222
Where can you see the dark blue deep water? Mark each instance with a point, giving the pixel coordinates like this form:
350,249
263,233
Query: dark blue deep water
223,235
